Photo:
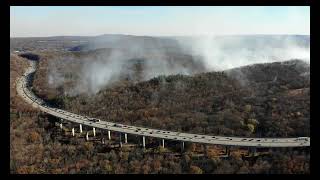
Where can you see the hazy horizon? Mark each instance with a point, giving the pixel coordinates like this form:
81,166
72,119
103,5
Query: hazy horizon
158,35
158,20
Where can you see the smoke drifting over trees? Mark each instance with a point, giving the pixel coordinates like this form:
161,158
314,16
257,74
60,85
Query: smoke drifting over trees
225,52
107,59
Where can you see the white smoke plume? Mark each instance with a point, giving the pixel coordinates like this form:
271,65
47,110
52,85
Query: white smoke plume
97,73
226,52
101,69
210,53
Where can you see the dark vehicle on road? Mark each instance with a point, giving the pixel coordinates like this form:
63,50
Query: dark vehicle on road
94,120
117,125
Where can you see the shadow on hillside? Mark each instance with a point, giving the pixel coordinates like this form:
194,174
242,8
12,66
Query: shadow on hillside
30,56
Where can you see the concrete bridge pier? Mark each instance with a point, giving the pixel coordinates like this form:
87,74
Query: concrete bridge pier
94,132
182,146
109,135
80,127
162,143
227,150
125,138
120,143
143,142
87,136
60,124
252,151
72,131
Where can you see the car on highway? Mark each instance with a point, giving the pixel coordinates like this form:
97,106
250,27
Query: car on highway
117,125
94,120
302,138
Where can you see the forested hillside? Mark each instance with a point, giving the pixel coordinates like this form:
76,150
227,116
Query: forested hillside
210,103
263,100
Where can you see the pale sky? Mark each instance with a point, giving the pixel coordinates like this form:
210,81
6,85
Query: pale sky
157,20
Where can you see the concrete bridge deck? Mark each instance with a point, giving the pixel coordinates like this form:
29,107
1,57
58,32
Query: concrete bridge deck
24,91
